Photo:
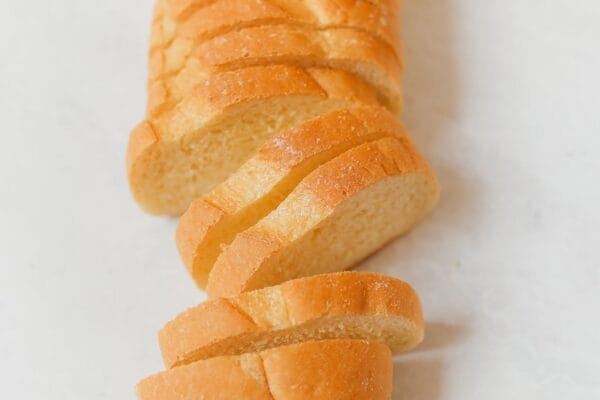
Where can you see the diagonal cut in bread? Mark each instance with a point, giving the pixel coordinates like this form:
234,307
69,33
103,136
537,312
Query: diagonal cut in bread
186,152
332,370
184,66
356,305
268,177
200,20
339,214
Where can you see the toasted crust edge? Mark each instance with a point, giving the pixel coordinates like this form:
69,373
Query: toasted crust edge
303,300
330,369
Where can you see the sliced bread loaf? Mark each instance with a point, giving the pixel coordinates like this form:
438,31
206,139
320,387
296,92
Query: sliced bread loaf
203,19
357,305
332,370
186,152
339,214
268,177
179,70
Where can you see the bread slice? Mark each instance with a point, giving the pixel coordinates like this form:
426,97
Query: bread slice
182,67
332,370
357,305
253,191
195,20
338,215
189,150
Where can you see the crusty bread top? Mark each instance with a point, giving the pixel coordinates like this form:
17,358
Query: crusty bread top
281,40
312,137
250,259
269,316
328,370
351,50
221,378
360,167
219,91
263,181
200,20
349,370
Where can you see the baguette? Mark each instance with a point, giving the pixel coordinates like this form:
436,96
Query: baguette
266,179
357,305
200,20
332,370
189,150
339,214
182,68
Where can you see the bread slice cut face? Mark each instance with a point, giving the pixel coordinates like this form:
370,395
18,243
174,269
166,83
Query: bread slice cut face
187,151
356,305
197,20
331,369
176,72
253,191
339,214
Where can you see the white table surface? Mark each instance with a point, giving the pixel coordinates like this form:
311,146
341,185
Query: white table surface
503,97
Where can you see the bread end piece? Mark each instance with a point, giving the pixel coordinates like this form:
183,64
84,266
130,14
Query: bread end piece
343,305
332,369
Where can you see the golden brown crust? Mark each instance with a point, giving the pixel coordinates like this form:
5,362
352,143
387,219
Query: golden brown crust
346,49
142,137
289,40
220,378
237,265
332,370
351,293
360,168
297,144
210,323
283,157
194,226
225,89
351,370
181,9
217,326
344,85
201,20
242,265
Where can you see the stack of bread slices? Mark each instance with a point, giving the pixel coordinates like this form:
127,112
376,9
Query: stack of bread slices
271,130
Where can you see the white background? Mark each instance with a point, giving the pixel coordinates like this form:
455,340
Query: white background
503,98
